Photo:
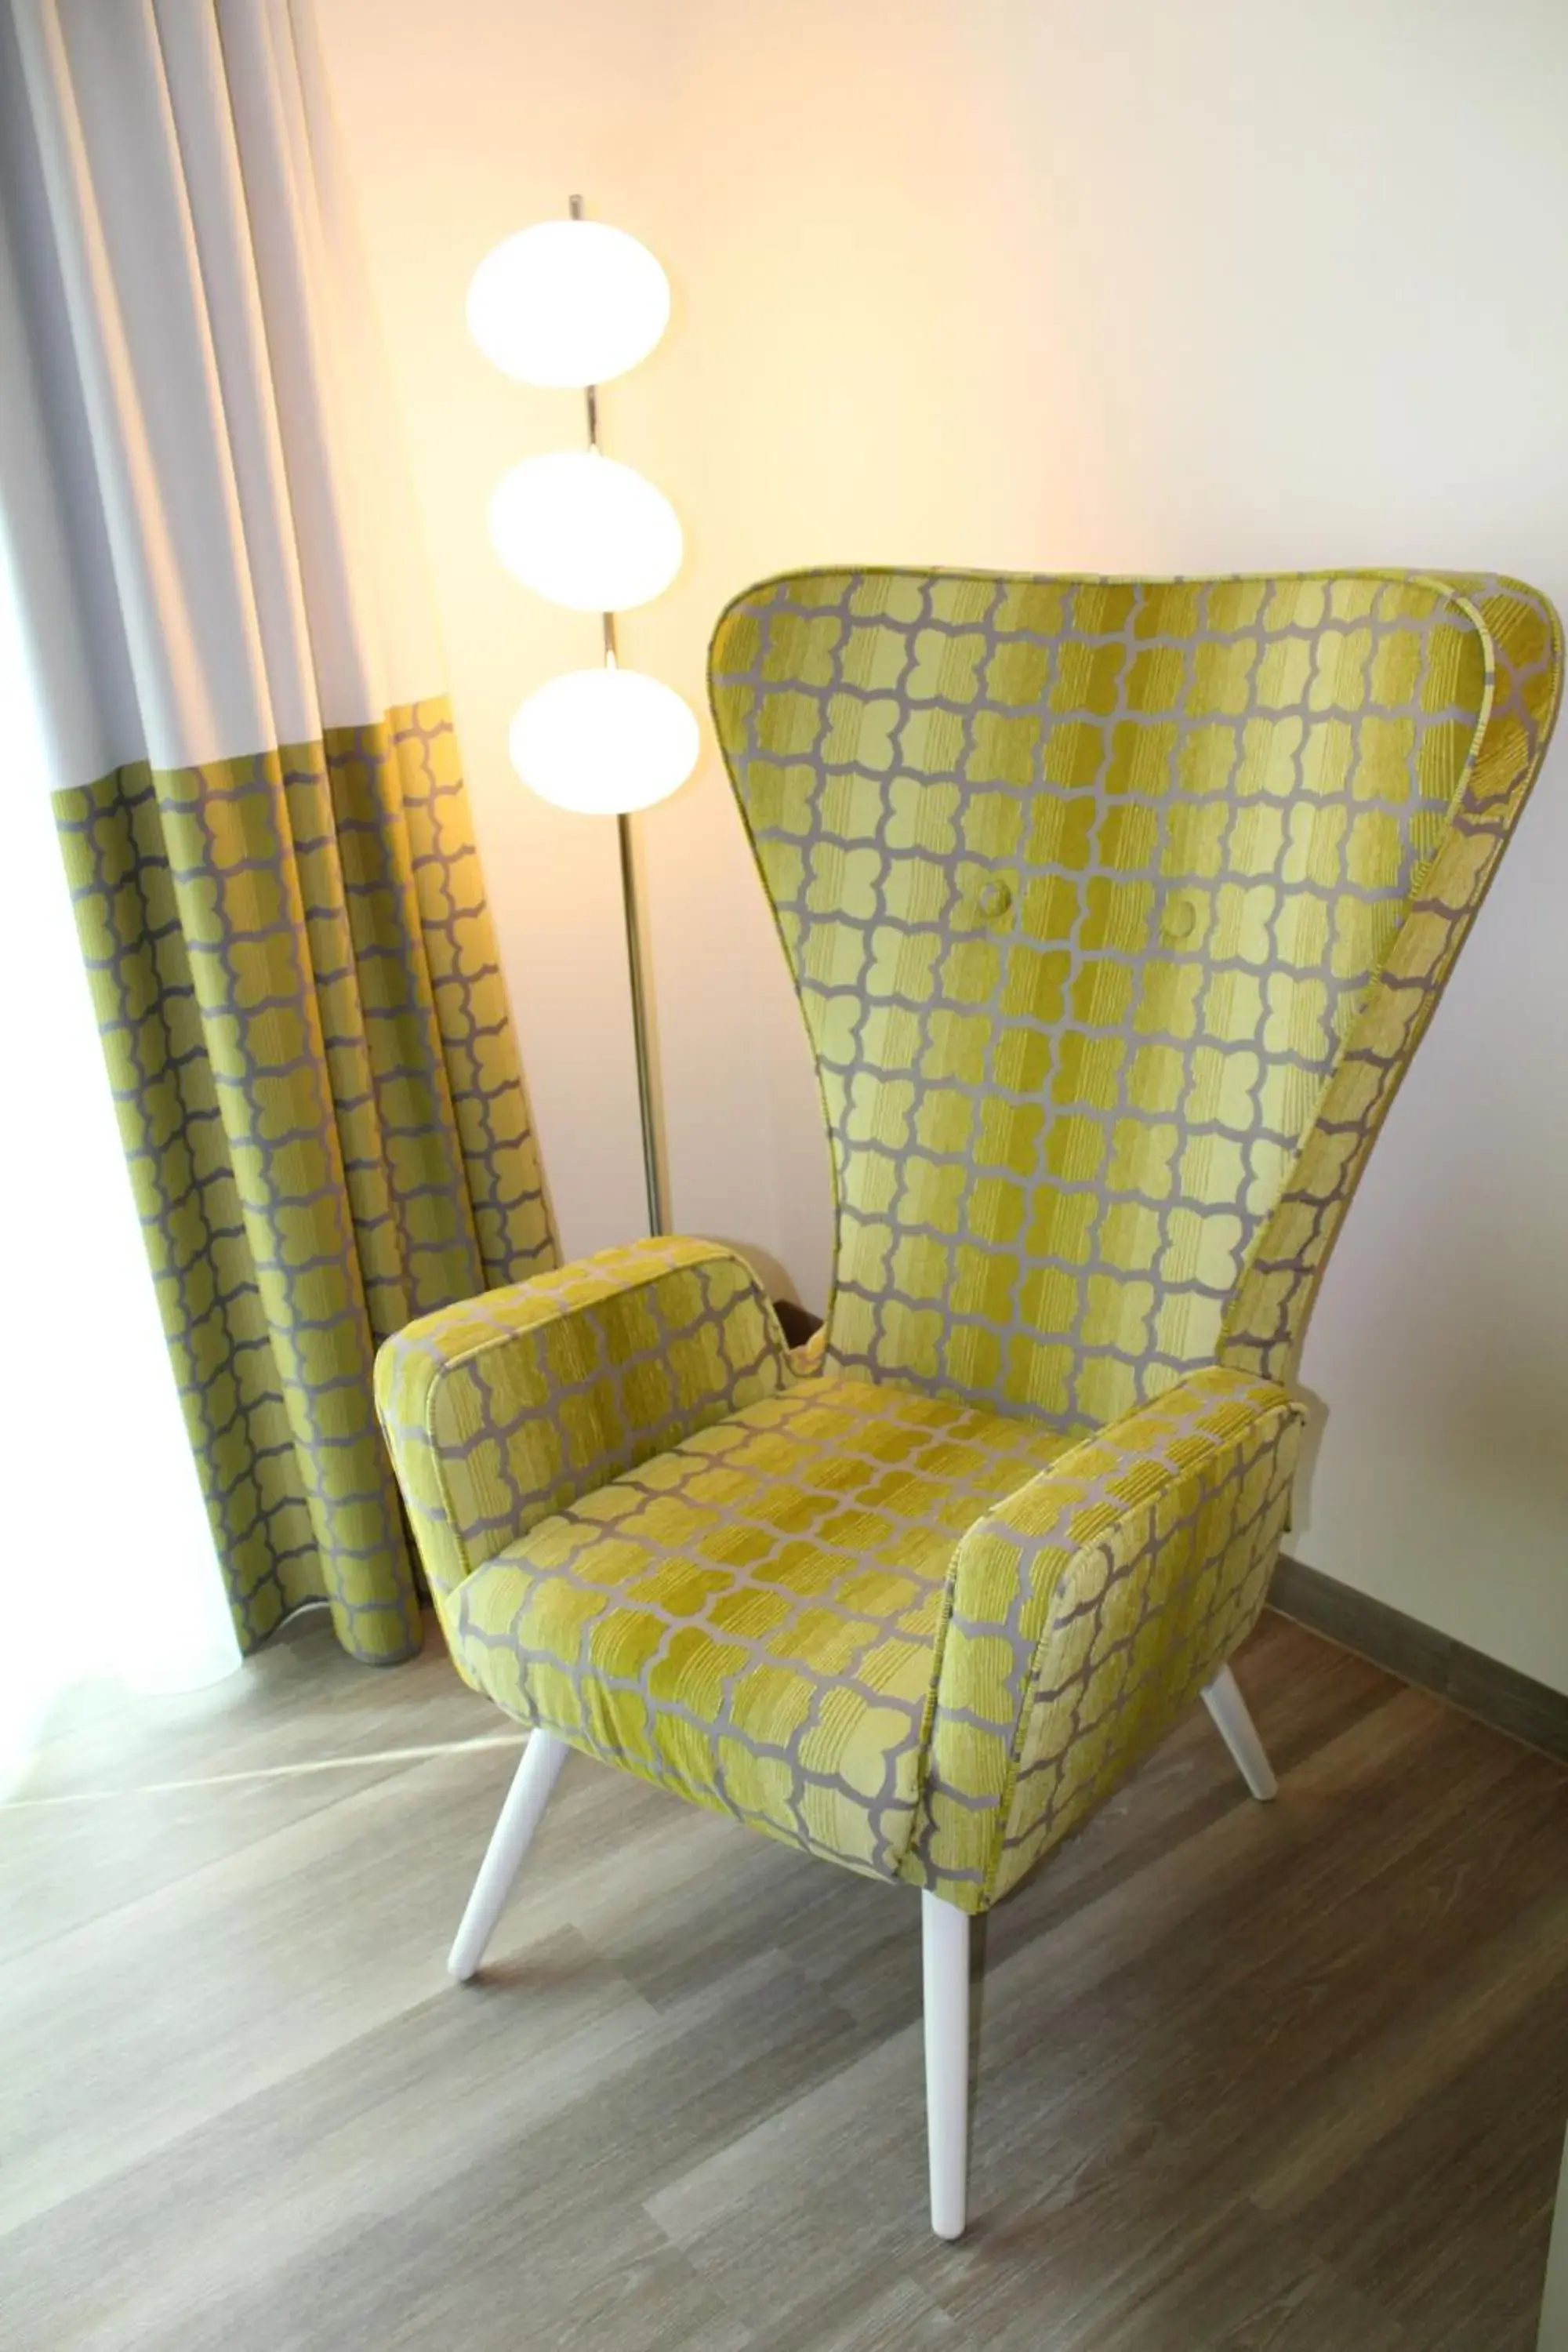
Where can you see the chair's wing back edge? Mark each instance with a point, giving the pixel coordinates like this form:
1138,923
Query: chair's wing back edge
1522,643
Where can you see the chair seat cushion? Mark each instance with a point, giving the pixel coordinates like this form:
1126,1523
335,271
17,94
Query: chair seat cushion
752,1617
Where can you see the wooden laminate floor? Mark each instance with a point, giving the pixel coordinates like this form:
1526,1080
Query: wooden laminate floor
1290,2077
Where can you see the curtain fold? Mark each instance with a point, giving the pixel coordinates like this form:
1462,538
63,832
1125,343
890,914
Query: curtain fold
257,784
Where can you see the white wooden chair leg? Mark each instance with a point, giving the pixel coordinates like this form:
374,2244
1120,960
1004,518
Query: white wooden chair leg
520,1817
1224,1701
944,1939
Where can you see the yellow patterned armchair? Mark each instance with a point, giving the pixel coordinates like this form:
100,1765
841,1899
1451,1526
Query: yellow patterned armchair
1116,911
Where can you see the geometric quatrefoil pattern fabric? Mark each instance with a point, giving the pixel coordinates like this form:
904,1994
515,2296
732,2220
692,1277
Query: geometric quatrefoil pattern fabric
307,1035
905,1634
1084,885
1116,911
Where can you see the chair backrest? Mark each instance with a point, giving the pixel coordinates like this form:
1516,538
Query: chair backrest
1115,909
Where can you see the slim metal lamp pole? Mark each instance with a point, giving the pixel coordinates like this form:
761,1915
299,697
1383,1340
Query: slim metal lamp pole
641,1035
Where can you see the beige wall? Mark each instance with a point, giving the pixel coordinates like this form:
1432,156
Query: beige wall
1018,282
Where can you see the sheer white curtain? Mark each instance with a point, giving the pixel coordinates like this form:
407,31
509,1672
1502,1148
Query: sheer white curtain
106,1563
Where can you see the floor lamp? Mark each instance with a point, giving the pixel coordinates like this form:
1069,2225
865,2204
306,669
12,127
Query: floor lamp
571,304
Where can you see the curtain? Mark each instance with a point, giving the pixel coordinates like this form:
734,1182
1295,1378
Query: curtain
90,1590
256,783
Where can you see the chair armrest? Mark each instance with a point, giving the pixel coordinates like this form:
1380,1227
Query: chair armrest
1087,1613
507,1407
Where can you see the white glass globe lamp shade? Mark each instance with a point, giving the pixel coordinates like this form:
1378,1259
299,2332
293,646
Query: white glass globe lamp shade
604,741
568,303
585,531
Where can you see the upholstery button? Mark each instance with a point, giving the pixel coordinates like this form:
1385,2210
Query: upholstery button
1180,919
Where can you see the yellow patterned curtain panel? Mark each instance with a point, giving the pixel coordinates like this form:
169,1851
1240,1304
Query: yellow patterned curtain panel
256,779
